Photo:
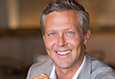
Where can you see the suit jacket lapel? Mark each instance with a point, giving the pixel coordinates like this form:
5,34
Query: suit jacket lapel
86,69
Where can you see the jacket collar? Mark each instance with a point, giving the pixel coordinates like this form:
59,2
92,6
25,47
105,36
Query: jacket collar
86,69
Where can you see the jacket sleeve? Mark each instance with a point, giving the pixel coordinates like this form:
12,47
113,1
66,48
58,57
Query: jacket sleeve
32,71
29,72
110,74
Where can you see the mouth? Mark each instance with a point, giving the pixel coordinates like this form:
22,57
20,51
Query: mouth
63,52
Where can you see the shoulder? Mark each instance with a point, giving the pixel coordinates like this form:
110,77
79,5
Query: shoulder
38,68
99,70
41,66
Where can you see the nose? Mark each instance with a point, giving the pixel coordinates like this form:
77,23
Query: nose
61,41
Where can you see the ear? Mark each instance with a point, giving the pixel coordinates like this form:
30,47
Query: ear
87,36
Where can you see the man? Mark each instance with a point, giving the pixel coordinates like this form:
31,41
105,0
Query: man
65,28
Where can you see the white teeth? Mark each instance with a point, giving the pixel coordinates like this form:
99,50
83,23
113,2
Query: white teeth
63,53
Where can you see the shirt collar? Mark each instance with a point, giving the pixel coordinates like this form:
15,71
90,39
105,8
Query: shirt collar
53,73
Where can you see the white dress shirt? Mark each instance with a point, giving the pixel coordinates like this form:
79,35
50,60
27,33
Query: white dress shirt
53,73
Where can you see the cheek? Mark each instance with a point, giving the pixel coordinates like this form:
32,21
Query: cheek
74,40
49,43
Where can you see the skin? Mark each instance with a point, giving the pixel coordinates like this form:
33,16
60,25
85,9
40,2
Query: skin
41,76
63,33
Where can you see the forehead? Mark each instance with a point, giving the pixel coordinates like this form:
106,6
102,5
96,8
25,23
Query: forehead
63,16
62,21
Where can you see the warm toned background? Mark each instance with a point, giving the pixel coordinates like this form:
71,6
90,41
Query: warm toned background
21,41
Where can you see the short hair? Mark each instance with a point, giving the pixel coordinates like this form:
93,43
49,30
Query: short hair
64,5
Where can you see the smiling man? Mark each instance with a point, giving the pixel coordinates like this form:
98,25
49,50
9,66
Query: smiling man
65,28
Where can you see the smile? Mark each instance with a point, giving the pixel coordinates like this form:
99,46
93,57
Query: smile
63,53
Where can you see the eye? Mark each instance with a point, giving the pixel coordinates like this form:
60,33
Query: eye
70,33
51,34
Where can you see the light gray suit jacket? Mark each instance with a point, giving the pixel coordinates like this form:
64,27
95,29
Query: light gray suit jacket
92,69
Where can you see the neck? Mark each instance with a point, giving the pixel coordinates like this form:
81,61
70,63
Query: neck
65,74
68,73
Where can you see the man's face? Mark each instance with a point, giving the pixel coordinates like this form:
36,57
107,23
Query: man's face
63,38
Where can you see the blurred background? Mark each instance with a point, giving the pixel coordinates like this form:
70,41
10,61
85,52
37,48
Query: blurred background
21,39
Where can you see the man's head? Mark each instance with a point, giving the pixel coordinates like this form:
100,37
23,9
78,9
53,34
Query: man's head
65,32
63,5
